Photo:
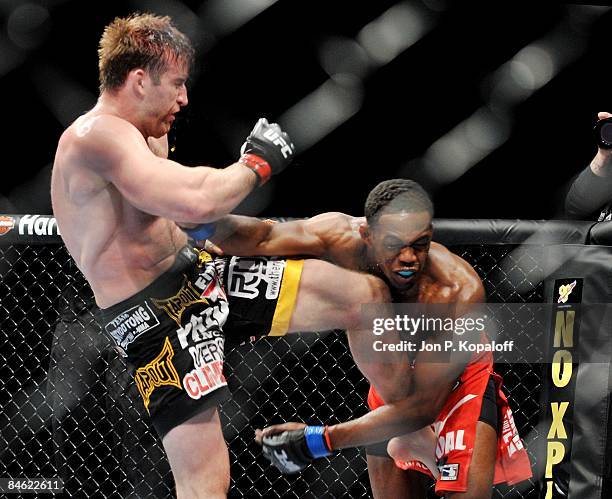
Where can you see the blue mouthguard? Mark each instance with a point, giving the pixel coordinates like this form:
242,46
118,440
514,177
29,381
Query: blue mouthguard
406,273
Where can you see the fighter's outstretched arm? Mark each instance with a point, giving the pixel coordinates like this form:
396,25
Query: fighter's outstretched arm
433,381
291,446
318,236
116,151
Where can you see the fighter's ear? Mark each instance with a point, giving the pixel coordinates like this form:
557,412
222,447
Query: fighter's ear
136,79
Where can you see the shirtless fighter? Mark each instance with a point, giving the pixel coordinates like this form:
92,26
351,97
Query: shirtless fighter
118,200
477,442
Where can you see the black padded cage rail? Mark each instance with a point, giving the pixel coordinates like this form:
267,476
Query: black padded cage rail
70,410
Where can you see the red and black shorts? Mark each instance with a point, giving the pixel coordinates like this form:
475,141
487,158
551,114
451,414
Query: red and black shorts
478,396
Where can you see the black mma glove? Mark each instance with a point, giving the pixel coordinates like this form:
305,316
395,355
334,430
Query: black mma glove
267,150
291,451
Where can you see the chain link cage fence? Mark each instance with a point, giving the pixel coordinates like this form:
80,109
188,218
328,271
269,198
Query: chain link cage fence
69,408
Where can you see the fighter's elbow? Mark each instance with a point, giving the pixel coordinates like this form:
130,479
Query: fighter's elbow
199,209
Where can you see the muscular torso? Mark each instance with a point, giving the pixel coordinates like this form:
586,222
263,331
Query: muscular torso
119,248
446,279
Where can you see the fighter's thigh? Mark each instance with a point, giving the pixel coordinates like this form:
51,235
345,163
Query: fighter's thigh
482,466
331,297
198,456
390,482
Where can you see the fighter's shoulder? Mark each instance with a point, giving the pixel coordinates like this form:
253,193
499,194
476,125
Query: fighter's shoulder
331,219
98,141
334,226
97,132
456,273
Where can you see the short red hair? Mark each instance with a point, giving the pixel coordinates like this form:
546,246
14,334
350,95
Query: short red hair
142,41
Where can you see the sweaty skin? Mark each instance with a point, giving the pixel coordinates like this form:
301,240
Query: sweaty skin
399,250
115,195
119,248
442,276
399,242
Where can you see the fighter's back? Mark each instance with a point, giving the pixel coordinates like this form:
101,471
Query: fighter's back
119,248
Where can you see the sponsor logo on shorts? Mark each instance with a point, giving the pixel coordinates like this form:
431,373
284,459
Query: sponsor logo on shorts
450,441
159,372
203,335
38,225
219,266
413,465
207,351
208,281
246,275
510,434
6,224
449,472
174,306
204,380
132,323
204,325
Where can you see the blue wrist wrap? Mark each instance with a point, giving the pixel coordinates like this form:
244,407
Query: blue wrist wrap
315,440
201,232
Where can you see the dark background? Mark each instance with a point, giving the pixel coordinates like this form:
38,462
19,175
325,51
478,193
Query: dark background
537,73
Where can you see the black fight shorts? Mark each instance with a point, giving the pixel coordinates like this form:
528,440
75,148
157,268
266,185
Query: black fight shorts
171,334
262,292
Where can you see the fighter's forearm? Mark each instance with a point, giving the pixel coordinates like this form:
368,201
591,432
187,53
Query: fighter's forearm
223,190
240,235
388,421
247,236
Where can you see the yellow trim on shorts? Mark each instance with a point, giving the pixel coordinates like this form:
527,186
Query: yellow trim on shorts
286,298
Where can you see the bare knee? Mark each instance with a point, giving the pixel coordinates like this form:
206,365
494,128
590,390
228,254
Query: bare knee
187,490
196,482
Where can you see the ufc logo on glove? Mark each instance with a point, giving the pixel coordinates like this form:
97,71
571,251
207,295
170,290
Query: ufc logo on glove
276,139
